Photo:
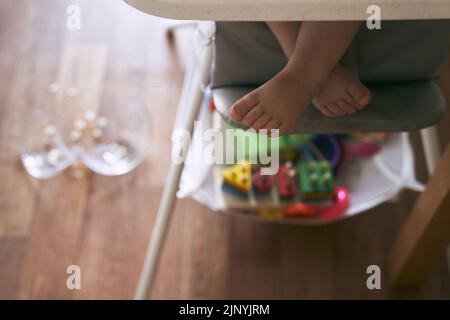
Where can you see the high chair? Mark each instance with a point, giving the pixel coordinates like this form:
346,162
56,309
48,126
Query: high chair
399,63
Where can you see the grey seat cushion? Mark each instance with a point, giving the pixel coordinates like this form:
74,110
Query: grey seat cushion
398,63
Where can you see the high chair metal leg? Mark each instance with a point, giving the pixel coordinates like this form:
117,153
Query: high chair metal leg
192,103
431,147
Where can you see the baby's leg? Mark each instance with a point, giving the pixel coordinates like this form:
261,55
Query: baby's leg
343,93
279,103
286,33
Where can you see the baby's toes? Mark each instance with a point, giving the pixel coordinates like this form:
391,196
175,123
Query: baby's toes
243,106
272,125
360,93
323,108
335,109
350,100
252,116
261,121
347,107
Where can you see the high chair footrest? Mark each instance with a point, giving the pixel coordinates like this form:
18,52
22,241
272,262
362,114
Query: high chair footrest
394,108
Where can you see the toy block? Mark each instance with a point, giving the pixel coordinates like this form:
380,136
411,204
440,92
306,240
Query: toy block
234,192
262,184
237,179
316,180
299,210
289,146
286,181
271,214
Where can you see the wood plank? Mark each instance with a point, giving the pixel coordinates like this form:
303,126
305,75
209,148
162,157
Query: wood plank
61,201
307,263
8,39
12,252
114,235
425,234
197,268
28,69
355,245
111,257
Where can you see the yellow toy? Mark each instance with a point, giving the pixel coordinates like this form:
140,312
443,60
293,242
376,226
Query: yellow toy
238,178
271,214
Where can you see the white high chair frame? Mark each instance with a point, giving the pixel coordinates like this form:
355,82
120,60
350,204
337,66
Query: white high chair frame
416,248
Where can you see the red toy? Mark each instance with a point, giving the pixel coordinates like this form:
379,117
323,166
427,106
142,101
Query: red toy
300,210
262,183
286,181
211,105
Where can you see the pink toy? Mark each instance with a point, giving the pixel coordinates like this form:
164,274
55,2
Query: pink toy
365,149
342,200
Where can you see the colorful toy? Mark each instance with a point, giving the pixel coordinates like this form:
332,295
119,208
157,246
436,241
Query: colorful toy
271,214
251,144
289,146
305,184
366,144
300,210
329,148
237,179
286,181
262,184
211,105
363,149
316,180
341,203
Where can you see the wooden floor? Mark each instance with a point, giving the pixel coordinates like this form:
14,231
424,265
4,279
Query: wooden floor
103,224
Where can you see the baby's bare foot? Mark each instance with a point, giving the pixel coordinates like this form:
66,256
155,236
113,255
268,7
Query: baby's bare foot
342,94
277,104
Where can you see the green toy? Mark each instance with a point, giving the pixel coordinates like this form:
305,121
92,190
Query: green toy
289,146
249,145
316,180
